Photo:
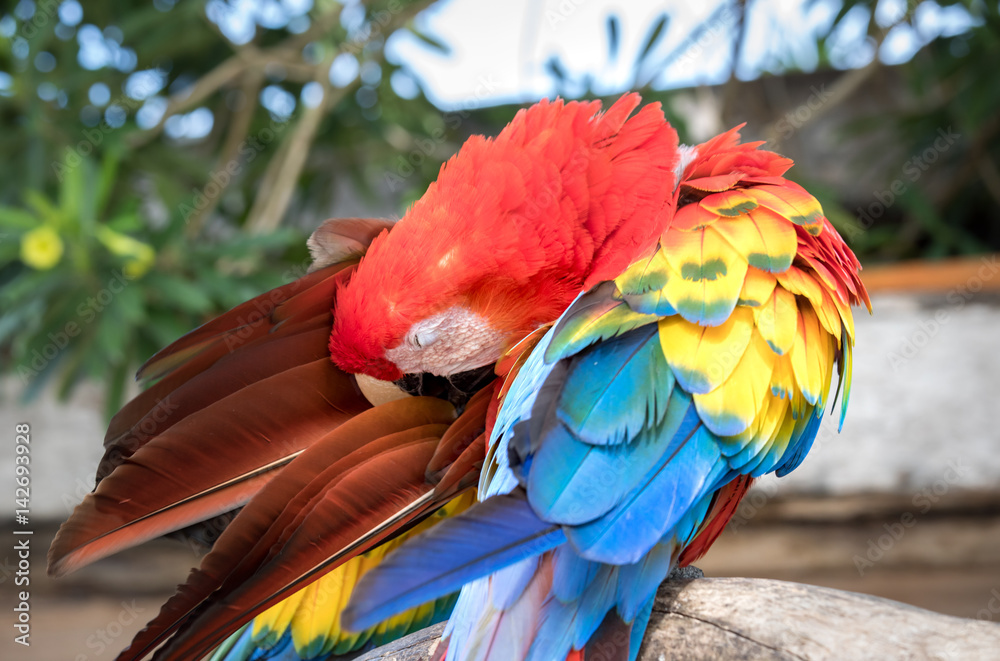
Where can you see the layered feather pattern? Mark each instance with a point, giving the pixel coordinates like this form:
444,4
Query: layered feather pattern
640,419
234,404
669,323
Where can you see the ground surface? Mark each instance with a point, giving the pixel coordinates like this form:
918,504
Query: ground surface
946,561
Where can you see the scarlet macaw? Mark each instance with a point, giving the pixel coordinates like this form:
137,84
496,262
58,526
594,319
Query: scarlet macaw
610,335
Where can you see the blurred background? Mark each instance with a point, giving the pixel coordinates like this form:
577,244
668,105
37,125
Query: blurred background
163,161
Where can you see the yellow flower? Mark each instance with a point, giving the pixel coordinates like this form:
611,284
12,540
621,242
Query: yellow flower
41,248
140,255
137,267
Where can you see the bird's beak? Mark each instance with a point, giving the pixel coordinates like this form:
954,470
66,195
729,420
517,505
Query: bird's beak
377,391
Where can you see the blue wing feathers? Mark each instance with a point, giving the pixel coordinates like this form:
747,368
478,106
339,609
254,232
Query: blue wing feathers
638,582
611,471
511,581
616,389
572,482
597,600
639,628
554,631
690,463
482,540
799,448
571,574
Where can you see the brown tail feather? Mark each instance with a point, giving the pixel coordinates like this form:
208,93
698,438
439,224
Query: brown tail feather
362,508
229,375
203,465
248,314
267,521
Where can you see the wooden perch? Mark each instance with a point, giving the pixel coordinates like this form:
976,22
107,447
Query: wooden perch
743,618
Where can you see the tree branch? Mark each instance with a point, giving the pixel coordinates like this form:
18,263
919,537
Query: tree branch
278,184
742,618
235,137
245,59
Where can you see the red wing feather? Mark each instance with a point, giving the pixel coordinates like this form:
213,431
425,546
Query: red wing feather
202,465
284,311
269,518
464,472
230,374
240,317
462,433
360,509
723,509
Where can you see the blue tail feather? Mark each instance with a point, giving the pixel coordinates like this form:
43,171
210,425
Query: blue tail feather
638,582
485,538
629,531
639,625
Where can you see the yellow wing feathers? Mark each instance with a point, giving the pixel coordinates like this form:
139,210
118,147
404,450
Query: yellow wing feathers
312,615
751,321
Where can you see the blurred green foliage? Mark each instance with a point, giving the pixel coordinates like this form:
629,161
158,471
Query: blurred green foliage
953,101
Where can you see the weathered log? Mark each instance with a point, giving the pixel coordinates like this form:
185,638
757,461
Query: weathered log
742,619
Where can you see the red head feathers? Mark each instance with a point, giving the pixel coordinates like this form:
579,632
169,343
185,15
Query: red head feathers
513,229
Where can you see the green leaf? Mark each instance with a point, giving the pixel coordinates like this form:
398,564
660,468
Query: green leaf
112,335
613,30
178,292
130,304
164,327
106,181
48,212
115,395
431,42
71,191
17,218
17,318
659,29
